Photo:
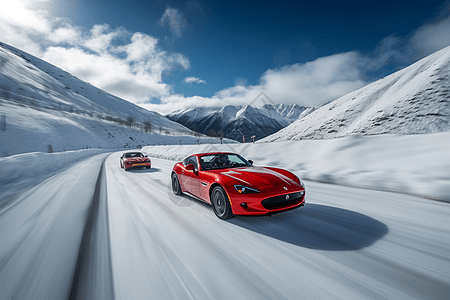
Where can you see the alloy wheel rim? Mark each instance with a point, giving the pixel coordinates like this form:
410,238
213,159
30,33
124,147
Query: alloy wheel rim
220,209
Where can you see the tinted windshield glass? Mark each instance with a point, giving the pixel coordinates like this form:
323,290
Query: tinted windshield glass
134,154
222,161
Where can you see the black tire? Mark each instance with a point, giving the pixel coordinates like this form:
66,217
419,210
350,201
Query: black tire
221,204
176,185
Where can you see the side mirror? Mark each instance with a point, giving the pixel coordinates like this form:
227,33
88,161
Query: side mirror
190,167
146,156
250,161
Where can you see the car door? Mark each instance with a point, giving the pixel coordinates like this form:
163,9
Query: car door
191,179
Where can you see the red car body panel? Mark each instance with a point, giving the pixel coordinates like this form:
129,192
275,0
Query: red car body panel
270,182
134,162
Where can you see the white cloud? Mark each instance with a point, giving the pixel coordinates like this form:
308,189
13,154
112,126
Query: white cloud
20,26
141,47
432,37
16,14
108,72
67,35
136,77
175,19
101,38
311,84
316,82
127,65
193,80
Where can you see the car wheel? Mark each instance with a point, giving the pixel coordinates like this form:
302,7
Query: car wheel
220,203
176,185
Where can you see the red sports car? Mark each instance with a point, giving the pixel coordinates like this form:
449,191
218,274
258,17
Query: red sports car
130,160
233,186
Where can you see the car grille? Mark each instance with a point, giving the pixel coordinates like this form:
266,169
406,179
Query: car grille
280,201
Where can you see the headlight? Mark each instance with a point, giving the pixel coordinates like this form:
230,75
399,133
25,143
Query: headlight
301,182
241,189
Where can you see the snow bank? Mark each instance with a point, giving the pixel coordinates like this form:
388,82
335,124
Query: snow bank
21,171
412,164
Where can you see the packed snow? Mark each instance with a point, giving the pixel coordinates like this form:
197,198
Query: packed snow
23,171
95,231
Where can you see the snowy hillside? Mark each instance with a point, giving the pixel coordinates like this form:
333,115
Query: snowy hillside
43,108
235,121
414,100
28,79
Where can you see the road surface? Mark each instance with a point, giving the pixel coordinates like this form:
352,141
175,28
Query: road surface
95,231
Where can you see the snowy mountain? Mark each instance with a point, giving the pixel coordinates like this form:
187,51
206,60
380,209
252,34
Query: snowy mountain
235,121
414,100
28,79
43,108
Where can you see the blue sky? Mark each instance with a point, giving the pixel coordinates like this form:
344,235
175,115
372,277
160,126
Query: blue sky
175,54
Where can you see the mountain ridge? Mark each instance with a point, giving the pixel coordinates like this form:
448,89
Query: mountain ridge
235,121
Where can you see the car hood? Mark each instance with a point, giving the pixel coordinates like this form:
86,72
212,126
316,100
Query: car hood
258,177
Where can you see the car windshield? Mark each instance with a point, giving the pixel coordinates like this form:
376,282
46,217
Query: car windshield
133,154
222,161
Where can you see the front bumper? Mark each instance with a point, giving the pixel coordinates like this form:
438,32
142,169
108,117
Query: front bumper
138,165
257,204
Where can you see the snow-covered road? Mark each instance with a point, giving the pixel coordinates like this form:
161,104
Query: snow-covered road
96,232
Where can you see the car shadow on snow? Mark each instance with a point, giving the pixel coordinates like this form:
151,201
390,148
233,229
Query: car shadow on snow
142,170
317,227
182,200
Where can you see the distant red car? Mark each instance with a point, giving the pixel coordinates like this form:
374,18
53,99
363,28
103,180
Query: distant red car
130,160
233,186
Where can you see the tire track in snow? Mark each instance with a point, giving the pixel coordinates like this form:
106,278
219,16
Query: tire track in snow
93,277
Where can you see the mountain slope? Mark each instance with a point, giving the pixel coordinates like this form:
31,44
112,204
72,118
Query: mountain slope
414,100
31,80
43,108
235,121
